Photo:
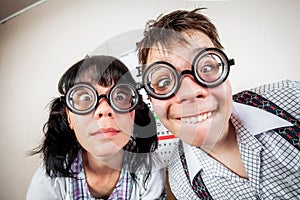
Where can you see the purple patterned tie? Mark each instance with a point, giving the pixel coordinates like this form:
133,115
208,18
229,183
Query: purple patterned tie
291,134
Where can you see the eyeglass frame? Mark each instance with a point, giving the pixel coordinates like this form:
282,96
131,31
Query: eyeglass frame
98,97
178,76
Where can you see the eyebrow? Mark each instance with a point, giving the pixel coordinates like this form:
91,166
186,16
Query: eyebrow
196,50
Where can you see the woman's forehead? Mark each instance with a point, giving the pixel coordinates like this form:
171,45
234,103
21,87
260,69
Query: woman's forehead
93,75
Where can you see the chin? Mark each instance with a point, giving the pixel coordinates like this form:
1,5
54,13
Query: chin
194,141
192,133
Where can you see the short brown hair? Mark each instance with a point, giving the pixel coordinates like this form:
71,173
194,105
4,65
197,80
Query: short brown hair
168,28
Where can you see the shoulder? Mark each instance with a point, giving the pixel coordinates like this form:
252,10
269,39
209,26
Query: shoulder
175,163
285,94
279,86
155,187
42,186
175,169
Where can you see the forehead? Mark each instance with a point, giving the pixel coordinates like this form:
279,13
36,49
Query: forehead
99,75
89,73
175,51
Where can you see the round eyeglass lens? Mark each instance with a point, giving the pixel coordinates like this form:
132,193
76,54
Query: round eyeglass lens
81,98
123,97
211,67
160,80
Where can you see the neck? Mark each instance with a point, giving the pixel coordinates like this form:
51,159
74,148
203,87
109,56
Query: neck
102,174
226,151
103,164
223,143
226,143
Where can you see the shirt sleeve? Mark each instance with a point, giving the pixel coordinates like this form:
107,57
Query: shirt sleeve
44,187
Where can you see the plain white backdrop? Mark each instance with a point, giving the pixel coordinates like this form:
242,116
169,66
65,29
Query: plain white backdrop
37,46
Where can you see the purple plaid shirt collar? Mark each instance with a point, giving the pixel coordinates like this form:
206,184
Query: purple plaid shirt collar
79,188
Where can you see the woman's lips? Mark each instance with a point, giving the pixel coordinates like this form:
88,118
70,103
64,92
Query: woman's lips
107,132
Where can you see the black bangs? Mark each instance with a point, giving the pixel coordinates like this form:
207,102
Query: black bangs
68,78
104,71
97,70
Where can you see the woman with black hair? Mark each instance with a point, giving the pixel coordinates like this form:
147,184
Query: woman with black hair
100,138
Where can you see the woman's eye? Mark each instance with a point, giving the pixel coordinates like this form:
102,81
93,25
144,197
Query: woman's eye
85,97
124,97
119,97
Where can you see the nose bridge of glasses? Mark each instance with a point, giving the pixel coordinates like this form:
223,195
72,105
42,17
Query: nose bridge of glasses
187,72
184,72
101,96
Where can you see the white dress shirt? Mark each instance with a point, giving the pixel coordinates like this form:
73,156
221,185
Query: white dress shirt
272,164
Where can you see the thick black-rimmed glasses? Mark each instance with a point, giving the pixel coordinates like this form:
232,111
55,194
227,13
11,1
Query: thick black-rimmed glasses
210,68
83,98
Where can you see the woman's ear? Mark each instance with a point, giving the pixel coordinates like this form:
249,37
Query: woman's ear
69,118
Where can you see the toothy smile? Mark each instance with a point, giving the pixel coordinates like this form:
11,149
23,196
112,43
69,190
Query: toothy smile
196,119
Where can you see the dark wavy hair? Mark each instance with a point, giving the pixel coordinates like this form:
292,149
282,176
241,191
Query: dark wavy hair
167,30
60,146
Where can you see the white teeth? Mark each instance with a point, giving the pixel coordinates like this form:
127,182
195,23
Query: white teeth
194,120
208,114
200,118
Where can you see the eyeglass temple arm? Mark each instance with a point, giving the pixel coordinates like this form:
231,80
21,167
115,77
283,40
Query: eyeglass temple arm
231,62
139,86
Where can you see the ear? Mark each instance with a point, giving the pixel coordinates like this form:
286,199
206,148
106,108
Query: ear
69,118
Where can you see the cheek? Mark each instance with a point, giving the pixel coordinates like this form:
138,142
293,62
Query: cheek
80,127
160,107
125,122
79,122
224,96
227,93
223,92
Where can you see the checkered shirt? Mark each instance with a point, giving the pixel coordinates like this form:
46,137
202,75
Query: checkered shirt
272,164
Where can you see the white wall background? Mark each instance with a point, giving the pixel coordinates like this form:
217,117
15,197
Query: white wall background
37,46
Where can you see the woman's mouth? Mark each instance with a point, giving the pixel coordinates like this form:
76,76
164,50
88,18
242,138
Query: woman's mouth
196,119
107,132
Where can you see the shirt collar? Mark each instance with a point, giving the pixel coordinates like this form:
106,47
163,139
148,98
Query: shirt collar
255,120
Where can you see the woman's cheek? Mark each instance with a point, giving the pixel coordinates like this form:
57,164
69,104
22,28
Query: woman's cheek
125,122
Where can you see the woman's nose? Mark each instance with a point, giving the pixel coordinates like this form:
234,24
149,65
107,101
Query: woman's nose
103,109
189,90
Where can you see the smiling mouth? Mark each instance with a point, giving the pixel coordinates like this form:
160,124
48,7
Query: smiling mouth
196,119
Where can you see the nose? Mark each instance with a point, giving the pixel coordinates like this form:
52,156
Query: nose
190,90
103,109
